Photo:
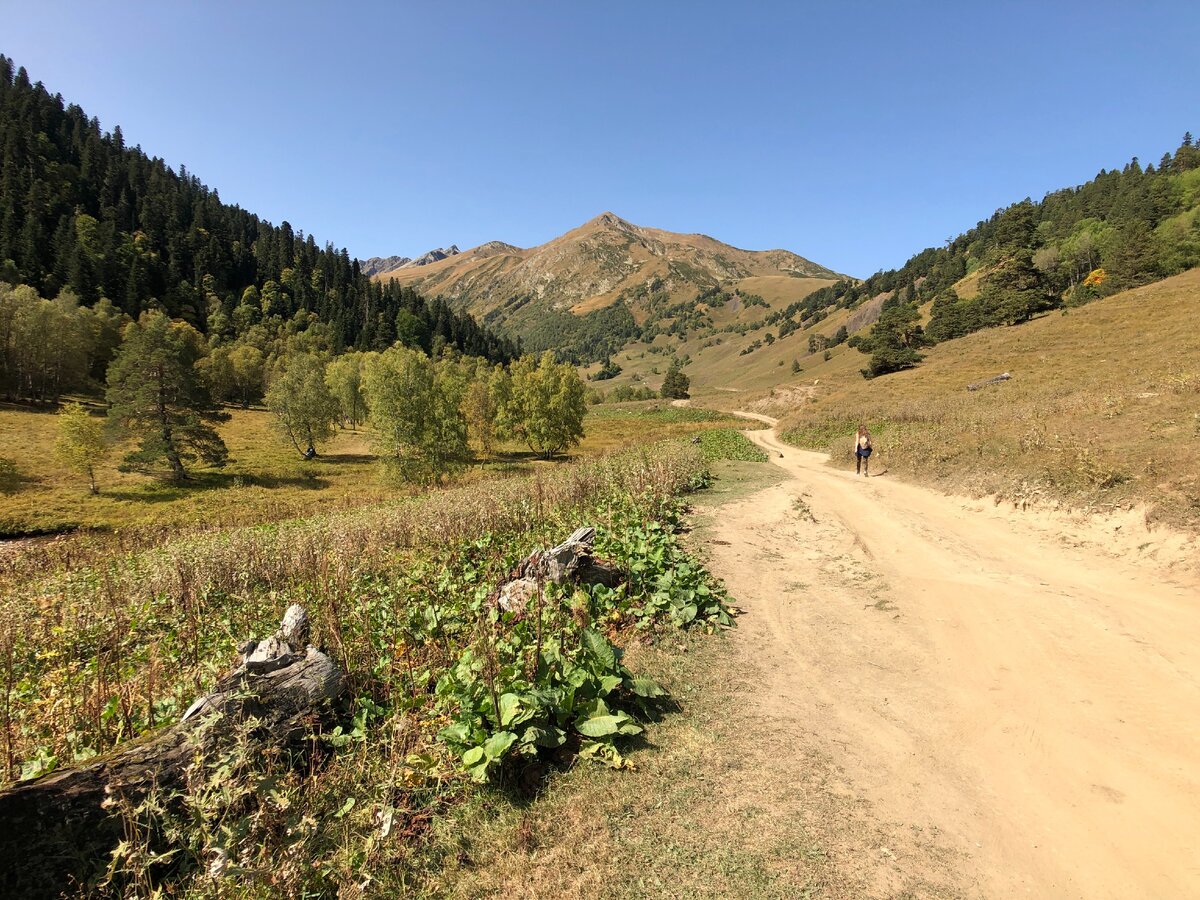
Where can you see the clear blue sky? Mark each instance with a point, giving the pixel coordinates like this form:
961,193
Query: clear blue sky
855,134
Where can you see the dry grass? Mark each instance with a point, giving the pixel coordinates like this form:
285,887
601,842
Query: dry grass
99,643
265,480
1102,409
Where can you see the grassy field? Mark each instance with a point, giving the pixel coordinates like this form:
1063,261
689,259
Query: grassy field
265,479
117,642
1102,409
718,368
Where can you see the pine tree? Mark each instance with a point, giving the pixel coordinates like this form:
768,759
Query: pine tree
156,395
675,385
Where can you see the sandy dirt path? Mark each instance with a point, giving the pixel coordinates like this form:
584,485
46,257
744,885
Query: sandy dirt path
1024,708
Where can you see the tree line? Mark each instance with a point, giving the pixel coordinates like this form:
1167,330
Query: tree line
428,415
80,211
51,347
1122,229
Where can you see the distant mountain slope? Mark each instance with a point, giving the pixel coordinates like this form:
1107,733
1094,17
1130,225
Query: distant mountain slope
590,266
378,265
631,275
383,265
1122,229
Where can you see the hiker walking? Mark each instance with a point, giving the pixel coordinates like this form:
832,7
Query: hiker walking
862,451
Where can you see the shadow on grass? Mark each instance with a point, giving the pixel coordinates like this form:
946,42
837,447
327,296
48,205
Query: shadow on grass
163,491
346,458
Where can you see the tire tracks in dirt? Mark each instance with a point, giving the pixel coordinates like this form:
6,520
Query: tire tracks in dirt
964,703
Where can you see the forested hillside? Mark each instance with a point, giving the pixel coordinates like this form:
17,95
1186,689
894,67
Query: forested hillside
1122,229
84,219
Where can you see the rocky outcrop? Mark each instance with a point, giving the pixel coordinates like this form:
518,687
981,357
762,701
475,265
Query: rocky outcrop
379,265
431,257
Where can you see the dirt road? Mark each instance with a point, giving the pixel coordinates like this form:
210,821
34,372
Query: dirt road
1019,710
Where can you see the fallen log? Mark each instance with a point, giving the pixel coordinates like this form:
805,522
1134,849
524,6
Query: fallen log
571,561
58,831
996,380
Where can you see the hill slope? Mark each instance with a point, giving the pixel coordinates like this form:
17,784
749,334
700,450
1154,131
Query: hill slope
1091,414
638,275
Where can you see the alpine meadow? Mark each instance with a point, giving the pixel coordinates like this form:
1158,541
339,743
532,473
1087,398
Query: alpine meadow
599,559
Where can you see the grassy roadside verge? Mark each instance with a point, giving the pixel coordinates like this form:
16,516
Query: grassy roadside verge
675,824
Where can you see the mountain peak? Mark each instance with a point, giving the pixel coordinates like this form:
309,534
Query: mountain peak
610,220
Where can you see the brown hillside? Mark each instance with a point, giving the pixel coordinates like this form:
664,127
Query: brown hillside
1102,407
606,258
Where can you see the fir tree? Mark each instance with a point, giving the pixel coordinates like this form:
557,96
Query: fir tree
156,395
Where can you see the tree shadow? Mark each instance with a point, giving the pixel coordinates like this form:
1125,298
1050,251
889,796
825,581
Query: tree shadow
166,491
341,459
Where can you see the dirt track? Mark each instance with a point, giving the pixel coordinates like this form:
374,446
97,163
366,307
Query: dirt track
1016,707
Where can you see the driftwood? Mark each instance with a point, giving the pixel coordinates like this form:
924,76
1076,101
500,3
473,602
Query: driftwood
57,831
570,561
979,384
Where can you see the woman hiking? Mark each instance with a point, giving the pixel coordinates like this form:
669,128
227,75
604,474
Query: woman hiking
862,451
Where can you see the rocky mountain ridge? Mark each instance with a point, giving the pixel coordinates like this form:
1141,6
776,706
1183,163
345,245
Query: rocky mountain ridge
382,265
593,266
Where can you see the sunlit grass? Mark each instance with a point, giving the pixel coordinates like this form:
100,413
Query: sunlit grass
265,479
1103,404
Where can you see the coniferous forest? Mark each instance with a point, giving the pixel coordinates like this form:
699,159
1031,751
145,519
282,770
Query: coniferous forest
1124,228
86,218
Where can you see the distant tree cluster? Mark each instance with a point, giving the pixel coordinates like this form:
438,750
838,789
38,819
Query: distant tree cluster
49,347
625,393
609,370
592,337
427,415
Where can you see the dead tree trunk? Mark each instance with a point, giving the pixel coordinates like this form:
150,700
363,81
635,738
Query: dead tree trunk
571,560
57,832
996,380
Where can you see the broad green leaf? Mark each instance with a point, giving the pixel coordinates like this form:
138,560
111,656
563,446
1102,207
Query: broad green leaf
599,726
646,687
600,649
459,733
510,706
497,745
544,737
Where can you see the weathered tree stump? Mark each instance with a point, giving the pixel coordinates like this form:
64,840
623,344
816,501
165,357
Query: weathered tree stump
571,561
57,831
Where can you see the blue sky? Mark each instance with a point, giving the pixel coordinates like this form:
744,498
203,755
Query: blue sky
855,134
